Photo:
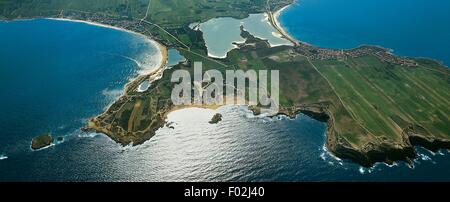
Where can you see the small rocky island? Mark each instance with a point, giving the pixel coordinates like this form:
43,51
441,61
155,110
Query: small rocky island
216,119
41,141
60,139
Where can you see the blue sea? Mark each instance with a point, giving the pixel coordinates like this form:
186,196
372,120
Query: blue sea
54,75
419,28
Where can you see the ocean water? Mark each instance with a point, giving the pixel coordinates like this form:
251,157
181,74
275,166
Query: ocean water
55,75
418,28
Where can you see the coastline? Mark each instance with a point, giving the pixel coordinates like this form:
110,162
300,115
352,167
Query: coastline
158,65
367,157
159,68
275,33
217,57
160,48
94,23
154,74
273,19
223,56
333,146
95,124
226,54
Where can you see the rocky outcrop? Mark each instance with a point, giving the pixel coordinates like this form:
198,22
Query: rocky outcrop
41,141
216,119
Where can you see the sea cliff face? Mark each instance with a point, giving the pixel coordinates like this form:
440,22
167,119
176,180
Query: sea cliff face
370,153
388,153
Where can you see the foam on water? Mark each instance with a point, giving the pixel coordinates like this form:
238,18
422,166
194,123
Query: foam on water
88,135
112,94
43,148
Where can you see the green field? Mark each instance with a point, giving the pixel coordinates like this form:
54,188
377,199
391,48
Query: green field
387,98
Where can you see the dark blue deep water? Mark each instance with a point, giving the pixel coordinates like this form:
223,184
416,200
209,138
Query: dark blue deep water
418,28
54,75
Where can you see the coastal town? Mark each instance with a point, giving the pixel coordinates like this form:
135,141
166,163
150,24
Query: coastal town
383,54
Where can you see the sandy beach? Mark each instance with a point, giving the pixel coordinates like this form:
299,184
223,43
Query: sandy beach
162,60
274,33
226,54
155,73
95,24
278,25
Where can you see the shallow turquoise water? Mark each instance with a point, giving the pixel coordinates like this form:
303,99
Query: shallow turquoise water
258,25
174,57
55,75
411,28
220,34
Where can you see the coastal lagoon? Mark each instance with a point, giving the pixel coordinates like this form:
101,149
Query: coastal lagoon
418,28
259,26
57,74
174,57
220,34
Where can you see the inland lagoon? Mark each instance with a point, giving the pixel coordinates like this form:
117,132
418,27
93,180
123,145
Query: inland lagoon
174,57
222,34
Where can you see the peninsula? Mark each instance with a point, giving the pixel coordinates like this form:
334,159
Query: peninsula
378,106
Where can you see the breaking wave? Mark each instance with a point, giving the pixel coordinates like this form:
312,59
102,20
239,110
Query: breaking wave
3,157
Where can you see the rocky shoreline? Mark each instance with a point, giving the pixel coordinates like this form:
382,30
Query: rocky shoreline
386,153
371,153
117,133
41,141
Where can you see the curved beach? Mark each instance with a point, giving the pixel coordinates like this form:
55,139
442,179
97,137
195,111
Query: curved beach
155,73
150,73
161,48
273,19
